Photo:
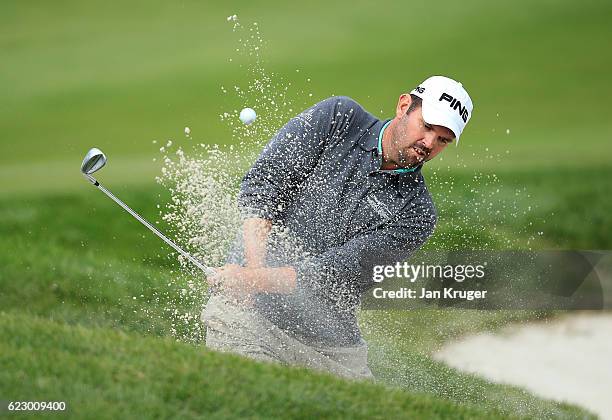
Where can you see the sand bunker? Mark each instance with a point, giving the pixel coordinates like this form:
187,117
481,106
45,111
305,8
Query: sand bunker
565,359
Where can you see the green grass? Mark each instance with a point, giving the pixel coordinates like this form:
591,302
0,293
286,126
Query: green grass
95,271
539,208
102,373
74,75
87,295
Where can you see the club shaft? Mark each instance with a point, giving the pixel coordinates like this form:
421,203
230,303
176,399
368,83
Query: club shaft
207,270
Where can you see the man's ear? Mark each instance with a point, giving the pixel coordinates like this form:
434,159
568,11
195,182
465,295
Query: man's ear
403,104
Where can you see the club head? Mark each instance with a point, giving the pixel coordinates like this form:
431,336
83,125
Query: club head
94,160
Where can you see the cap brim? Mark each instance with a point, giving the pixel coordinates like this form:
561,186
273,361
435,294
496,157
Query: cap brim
435,115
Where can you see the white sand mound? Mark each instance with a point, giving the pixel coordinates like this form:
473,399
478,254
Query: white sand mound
565,359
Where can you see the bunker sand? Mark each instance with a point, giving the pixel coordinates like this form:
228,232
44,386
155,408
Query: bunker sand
565,359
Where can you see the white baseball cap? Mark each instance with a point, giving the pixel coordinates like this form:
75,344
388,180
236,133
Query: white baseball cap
445,103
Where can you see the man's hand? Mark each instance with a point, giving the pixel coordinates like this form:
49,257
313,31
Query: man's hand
241,281
234,279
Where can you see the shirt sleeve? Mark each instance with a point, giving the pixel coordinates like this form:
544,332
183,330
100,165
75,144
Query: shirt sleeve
347,269
290,156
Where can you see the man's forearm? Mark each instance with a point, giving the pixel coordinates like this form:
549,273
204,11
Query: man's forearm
274,280
262,278
255,235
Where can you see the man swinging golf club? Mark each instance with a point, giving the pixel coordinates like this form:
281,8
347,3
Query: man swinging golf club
334,189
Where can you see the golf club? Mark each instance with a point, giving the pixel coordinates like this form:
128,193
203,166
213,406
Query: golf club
94,161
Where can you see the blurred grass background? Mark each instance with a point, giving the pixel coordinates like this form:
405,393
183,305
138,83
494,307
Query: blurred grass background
75,75
533,167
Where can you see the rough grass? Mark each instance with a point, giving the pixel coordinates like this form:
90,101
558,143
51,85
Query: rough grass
104,373
95,273
539,208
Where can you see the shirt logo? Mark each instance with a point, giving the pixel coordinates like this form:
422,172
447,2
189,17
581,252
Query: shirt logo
378,207
306,117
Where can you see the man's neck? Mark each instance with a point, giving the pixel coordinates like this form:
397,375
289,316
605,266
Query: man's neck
384,140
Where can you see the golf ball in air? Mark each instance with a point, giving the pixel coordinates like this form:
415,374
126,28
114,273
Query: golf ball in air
247,115
187,131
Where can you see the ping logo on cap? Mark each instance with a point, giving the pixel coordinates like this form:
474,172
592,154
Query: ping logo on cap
456,105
